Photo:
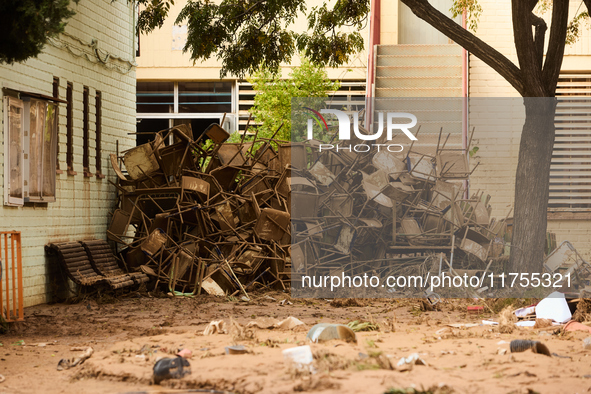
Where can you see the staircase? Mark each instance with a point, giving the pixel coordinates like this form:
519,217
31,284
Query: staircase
418,71
425,80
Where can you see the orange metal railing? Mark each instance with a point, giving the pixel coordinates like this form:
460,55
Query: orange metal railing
11,276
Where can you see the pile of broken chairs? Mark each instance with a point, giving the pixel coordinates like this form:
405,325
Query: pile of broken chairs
202,215
389,213
224,218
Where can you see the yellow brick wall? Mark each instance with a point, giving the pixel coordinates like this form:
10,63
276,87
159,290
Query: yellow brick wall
82,204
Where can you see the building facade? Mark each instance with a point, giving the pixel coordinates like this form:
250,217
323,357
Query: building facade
63,113
171,89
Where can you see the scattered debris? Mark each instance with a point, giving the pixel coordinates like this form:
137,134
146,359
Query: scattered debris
525,312
554,307
215,327
65,363
406,363
542,323
521,345
357,326
326,331
236,349
507,320
475,309
171,368
289,323
299,357
185,353
576,326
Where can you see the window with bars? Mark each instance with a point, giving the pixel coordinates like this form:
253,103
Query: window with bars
30,149
570,171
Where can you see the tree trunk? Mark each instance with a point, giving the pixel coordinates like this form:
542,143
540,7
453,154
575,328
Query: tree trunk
532,183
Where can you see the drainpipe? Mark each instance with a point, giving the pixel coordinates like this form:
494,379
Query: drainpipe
374,40
465,105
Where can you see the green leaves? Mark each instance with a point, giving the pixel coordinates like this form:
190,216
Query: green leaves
249,34
573,31
273,102
473,11
153,13
328,42
28,24
245,35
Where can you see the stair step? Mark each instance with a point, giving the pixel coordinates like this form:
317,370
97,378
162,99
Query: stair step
418,92
418,105
428,116
452,49
419,82
419,60
418,71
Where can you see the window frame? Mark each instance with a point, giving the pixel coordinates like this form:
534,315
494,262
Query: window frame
8,165
25,100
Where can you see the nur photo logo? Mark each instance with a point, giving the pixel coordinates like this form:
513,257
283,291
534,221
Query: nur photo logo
393,124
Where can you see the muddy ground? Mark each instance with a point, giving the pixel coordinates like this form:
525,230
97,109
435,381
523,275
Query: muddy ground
130,332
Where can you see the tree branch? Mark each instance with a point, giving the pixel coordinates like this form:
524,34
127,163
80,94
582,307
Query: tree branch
532,4
556,44
249,10
540,33
525,47
480,49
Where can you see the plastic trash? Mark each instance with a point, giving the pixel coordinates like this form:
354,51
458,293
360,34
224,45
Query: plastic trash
185,353
554,307
289,323
407,363
236,349
171,368
521,345
475,309
524,312
300,357
576,326
327,331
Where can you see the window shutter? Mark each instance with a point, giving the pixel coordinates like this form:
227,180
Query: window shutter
13,151
570,171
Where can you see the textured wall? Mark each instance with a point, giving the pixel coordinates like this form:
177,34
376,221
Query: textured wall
82,204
